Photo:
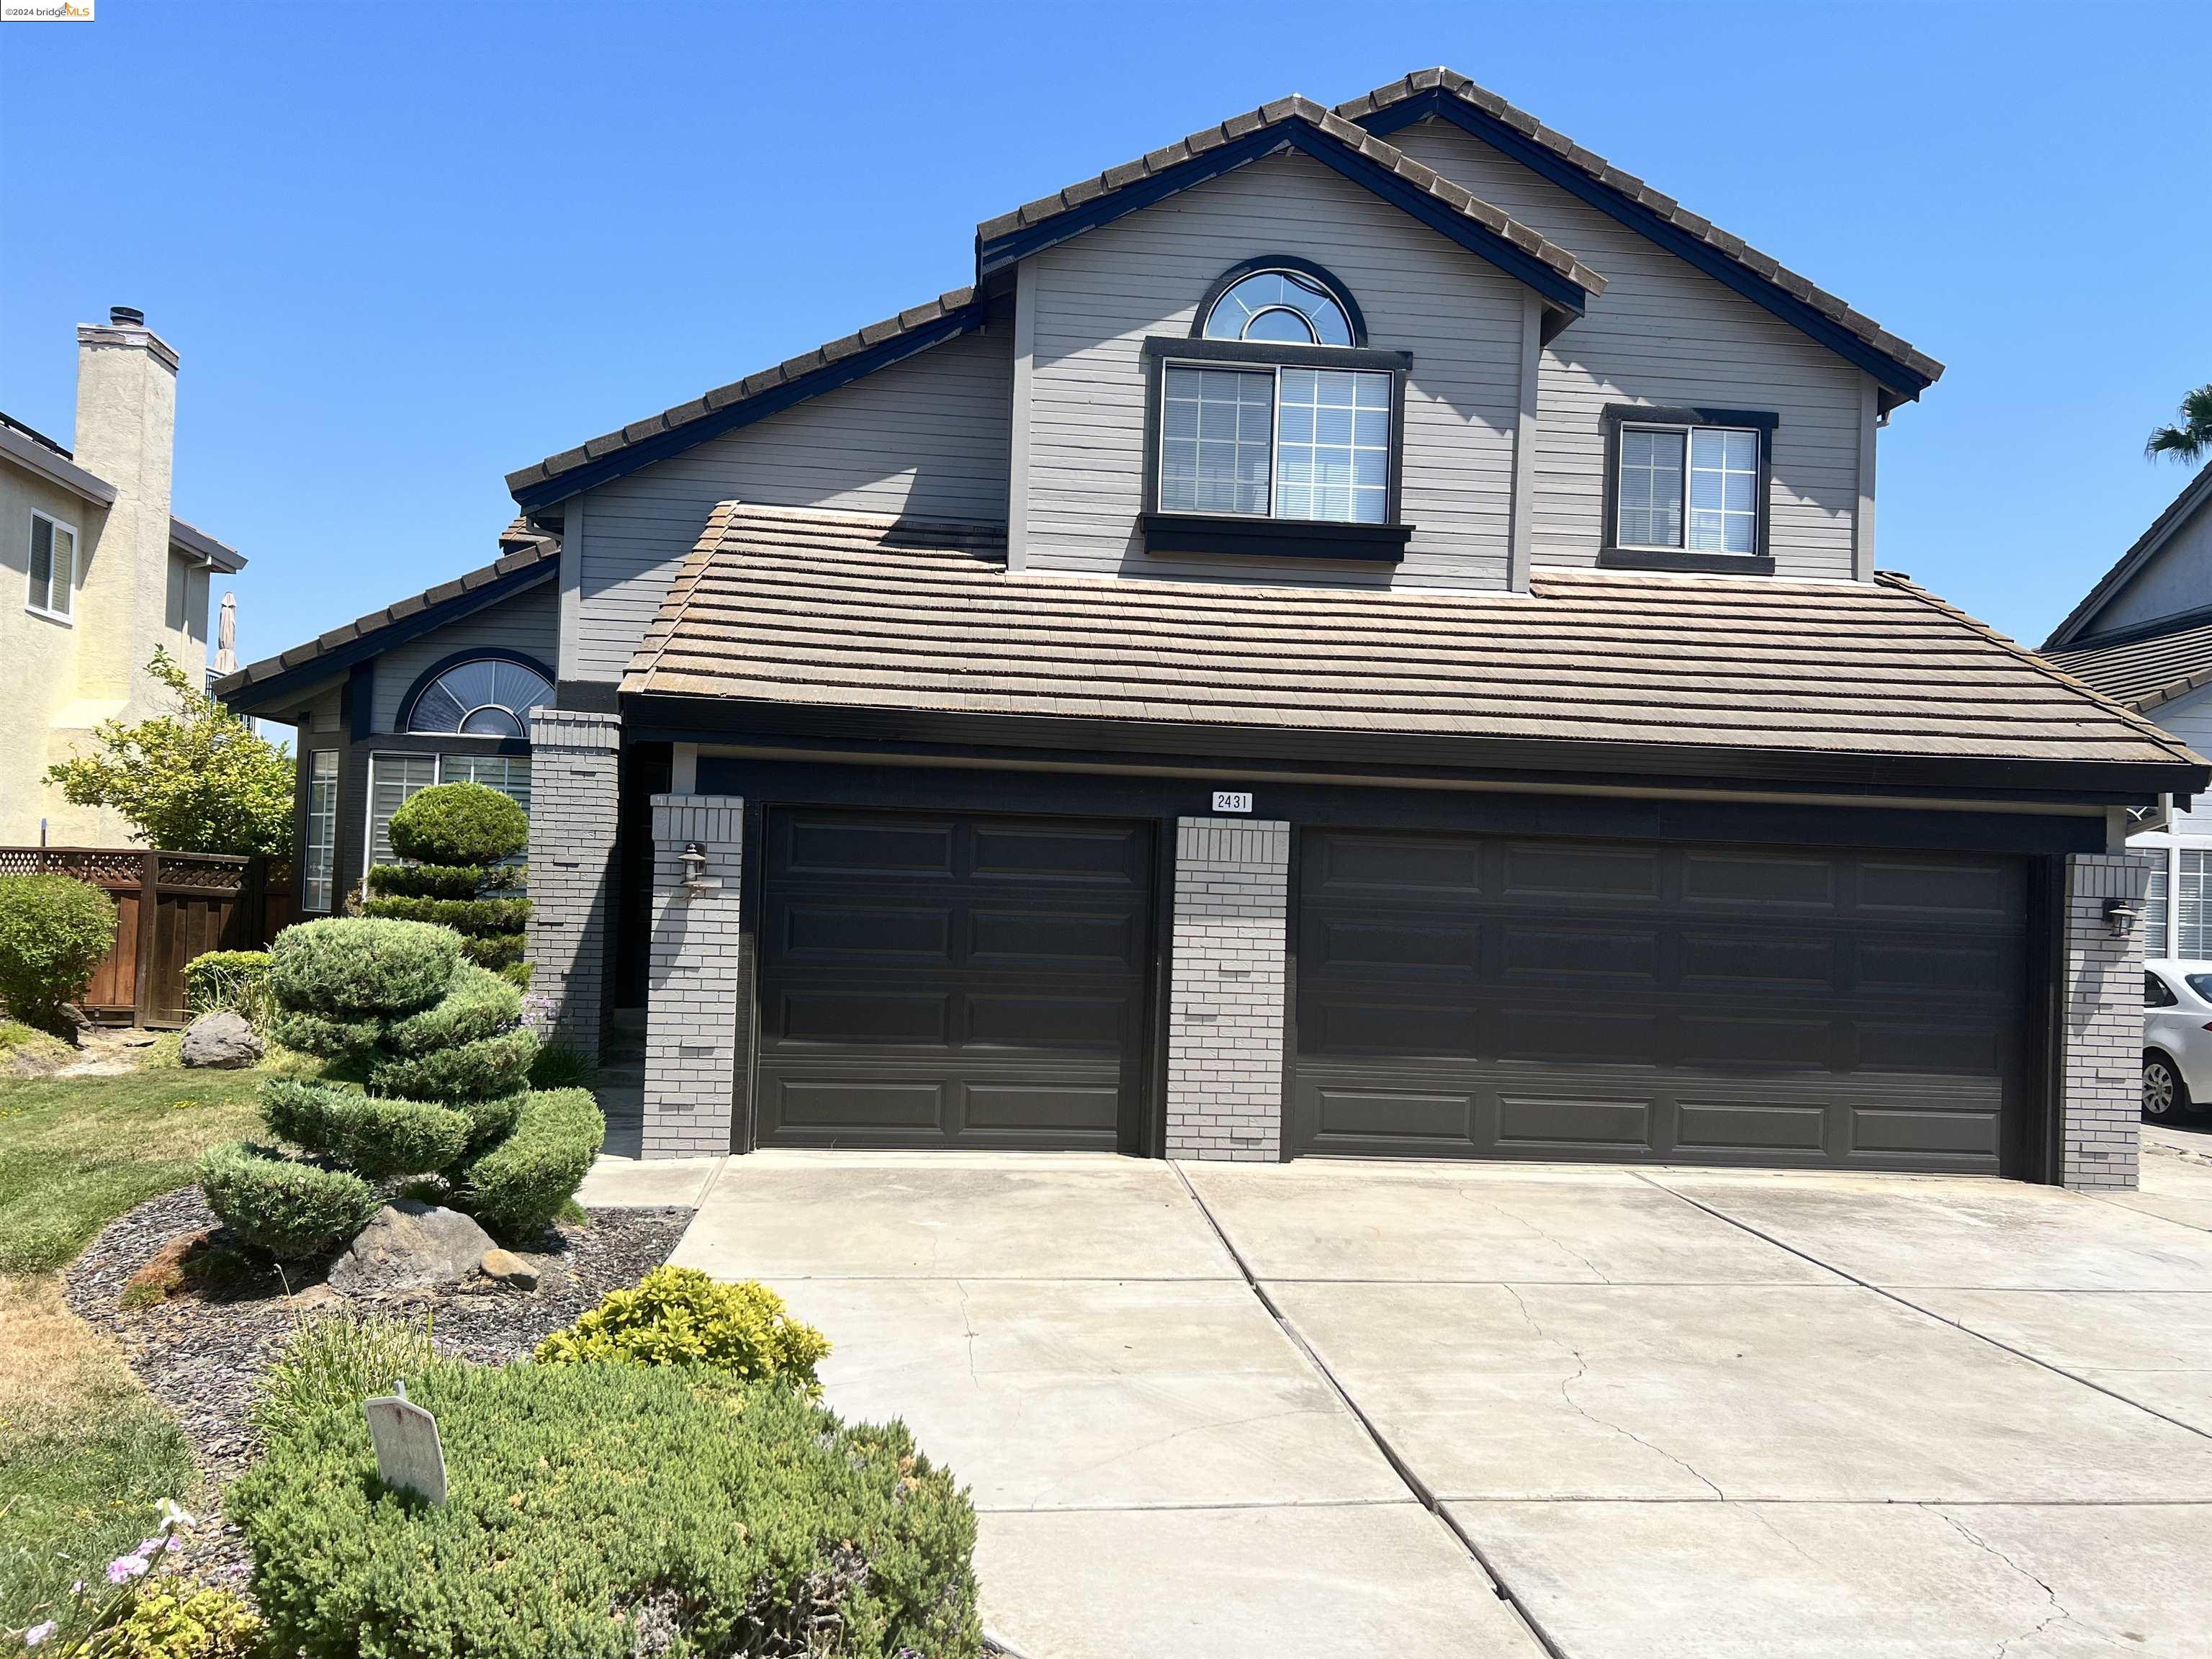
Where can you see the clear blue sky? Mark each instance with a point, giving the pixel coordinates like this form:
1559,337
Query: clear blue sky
406,248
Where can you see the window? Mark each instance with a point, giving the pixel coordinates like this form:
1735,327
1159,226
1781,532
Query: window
2192,925
394,777
2154,907
1688,483
322,830
53,567
2156,992
1288,306
485,697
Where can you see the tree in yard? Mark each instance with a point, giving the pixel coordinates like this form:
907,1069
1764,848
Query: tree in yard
195,780
2189,439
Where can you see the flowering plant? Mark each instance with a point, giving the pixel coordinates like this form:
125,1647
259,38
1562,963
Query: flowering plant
146,1612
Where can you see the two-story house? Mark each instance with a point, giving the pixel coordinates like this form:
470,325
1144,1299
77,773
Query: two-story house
1359,633
98,575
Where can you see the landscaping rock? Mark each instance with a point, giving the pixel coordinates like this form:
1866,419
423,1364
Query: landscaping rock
509,1268
222,1040
409,1246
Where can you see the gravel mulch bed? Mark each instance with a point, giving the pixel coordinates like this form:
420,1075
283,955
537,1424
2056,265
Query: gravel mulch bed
202,1358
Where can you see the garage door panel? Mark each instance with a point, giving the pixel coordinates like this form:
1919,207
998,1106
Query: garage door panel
944,980
1646,1002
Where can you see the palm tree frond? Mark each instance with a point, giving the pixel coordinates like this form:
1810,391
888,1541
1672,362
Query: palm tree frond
2192,440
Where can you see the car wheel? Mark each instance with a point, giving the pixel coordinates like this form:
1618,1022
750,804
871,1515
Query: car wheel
2165,1096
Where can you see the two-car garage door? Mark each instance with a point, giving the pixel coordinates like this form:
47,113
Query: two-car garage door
1635,1002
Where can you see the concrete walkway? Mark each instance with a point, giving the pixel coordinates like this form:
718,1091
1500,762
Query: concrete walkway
1407,1409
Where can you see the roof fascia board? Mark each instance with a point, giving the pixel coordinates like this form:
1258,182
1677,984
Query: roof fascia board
2075,630
249,696
1001,251
56,470
191,539
1899,378
630,458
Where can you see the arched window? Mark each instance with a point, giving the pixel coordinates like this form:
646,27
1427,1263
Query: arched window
483,696
1283,306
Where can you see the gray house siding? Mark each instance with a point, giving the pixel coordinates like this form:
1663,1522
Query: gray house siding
2190,719
1096,298
927,439
2179,578
1665,334
530,622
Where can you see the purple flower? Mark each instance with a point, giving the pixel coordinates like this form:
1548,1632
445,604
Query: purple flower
124,1568
78,1588
37,1634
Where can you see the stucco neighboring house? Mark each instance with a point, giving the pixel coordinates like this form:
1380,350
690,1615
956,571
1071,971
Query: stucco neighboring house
1359,632
99,574
2142,637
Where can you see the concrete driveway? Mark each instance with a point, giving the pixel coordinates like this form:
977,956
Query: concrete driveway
1348,1409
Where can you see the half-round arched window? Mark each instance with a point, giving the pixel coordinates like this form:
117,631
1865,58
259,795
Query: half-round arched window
1281,304
481,696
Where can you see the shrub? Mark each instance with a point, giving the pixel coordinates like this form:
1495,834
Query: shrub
521,1186
481,1070
497,952
477,1005
380,1137
176,1621
332,1039
599,1511
458,823
471,918
53,931
346,966
559,1067
237,979
288,1207
334,1364
679,1316
447,881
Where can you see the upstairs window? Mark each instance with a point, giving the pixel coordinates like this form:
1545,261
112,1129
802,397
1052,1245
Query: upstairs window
483,697
1276,410
53,568
1688,483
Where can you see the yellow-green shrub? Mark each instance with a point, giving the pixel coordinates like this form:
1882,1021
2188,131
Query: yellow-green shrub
679,1316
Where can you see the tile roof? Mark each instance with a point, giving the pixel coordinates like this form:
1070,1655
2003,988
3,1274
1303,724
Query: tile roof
2196,493
2146,670
829,609
1458,197
1765,266
341,641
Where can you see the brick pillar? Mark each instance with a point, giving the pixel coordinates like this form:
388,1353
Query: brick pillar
1225,999
2104,1022
573,815
691,1017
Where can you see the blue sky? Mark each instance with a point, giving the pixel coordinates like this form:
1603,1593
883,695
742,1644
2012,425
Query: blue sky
406,248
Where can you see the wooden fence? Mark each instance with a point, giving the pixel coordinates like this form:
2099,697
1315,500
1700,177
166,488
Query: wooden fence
170,907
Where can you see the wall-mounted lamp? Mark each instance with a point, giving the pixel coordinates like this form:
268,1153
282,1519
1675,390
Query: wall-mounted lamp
2121,916
694,861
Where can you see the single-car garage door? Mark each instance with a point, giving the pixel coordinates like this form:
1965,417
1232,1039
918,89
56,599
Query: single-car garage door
1635,1002
952,980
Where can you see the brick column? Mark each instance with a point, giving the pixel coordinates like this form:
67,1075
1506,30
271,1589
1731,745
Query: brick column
573,814
691,1017
2103,1067
1225,998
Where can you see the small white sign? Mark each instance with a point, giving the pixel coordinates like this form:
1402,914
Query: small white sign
409,1456
1232,800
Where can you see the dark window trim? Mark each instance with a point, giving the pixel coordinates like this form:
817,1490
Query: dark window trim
1759,562
303,797
473,653
1247,534
1237,273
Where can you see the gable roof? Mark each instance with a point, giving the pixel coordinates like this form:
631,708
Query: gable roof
534,558
2196,493
34,452
1904,371
1564,282
2145,669
1848,684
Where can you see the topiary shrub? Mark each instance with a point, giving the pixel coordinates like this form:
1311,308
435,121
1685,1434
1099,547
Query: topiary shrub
679,1316
522,1184
347,966
603,1511
289,1207
457,836
436,1065
53,931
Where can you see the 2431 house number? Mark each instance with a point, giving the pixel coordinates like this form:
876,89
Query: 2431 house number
1232,800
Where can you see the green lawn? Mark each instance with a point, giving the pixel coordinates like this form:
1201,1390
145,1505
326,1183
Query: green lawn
85,1456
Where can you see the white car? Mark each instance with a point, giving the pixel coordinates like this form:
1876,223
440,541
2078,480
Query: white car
2177,1068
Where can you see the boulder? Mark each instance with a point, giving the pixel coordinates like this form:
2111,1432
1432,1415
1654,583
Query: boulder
411,1246
509,1269
221,1040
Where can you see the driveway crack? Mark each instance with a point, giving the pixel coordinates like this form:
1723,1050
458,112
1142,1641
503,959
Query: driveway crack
1581,1369
969,1325
2060,1613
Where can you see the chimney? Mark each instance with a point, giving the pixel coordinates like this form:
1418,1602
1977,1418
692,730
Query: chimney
126,424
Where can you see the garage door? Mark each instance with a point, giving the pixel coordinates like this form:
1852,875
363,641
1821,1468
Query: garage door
938,981
1637,1003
